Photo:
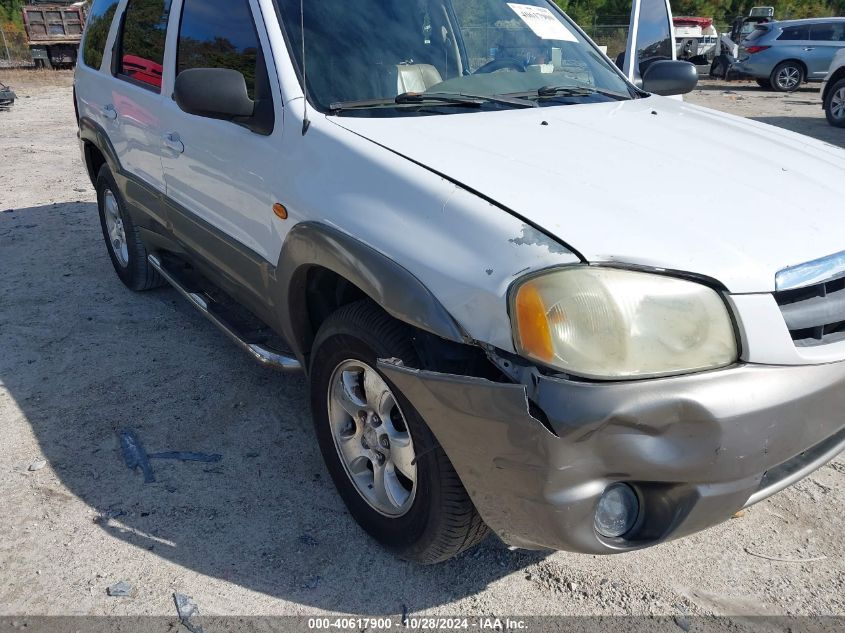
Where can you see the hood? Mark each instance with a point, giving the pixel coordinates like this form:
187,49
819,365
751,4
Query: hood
653,182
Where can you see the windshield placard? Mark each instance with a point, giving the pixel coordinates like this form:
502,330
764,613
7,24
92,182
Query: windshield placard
543,22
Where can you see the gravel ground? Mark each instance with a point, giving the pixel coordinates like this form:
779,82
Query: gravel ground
262,532
799,111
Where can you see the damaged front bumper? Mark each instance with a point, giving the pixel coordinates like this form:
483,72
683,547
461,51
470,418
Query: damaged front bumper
695,448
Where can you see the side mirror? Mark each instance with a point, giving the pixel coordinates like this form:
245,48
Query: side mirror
668,77
217,93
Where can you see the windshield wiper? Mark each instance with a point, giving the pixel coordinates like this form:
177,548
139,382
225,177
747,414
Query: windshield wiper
461,98
433,98
578,91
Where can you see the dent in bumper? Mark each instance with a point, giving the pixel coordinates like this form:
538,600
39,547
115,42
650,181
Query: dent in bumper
696,448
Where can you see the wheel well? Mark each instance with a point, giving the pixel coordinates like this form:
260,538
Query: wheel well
94,159
326,291
794,61
831,81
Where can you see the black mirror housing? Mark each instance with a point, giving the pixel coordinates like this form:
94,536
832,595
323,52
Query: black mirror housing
669,77
216,93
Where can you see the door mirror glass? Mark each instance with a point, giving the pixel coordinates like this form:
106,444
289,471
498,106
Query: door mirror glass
217,93
669,77
651,37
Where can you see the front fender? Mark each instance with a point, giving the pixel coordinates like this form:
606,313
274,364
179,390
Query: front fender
394,288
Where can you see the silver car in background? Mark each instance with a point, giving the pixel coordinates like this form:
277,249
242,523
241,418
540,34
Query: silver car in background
833,91
783,55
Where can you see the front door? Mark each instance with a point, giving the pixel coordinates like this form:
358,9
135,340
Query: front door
218,174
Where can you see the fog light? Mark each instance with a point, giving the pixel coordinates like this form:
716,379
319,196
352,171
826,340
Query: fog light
616,511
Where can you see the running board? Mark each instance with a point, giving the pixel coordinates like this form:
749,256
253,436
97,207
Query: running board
265,356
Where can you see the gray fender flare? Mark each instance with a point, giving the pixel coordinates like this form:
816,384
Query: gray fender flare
92,133
393,287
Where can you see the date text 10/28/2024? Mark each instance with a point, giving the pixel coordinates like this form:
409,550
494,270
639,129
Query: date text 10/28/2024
421,623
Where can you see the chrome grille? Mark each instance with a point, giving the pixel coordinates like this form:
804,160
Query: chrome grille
815,315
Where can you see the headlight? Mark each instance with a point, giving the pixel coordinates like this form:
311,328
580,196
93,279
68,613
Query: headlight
610,323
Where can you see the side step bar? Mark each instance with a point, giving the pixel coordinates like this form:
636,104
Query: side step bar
265,356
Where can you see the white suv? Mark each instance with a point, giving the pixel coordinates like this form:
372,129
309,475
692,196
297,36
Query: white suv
833,91
472,232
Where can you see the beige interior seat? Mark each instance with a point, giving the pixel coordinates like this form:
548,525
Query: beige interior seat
416,77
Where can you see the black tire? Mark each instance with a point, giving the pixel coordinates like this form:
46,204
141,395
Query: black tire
441,521
135,272
764,83
717,69
838,87
779,83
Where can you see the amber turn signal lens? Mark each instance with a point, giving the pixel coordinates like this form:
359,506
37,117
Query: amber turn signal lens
535,337
280,211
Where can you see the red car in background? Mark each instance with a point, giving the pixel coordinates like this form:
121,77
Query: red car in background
143,70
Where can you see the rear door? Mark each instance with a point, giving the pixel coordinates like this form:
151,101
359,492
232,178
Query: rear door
92,79
132,112
650,37
825,39
794,43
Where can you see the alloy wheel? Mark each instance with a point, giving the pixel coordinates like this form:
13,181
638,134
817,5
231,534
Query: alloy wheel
114,227
837,104
372,438
788,78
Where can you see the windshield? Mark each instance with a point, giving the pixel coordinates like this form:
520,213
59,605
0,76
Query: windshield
361,55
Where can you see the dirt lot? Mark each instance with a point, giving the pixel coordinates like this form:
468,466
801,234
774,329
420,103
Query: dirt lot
262,532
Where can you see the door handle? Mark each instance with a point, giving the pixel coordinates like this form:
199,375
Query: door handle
809,48
172,142
109,112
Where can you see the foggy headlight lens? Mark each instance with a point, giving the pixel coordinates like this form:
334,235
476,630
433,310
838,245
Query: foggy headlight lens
612,323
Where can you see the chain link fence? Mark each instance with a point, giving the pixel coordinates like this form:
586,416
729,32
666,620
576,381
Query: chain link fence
14,50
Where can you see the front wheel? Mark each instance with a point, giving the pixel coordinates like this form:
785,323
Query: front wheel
787,77
395,479
834,107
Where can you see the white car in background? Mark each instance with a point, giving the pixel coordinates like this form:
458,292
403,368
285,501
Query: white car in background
833,91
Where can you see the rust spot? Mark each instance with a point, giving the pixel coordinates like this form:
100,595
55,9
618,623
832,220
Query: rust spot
532,237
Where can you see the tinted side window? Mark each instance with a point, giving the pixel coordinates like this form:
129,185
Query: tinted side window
830,32
97,32
219,34
793,33
142,41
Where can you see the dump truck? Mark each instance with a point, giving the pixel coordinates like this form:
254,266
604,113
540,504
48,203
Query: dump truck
54,31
